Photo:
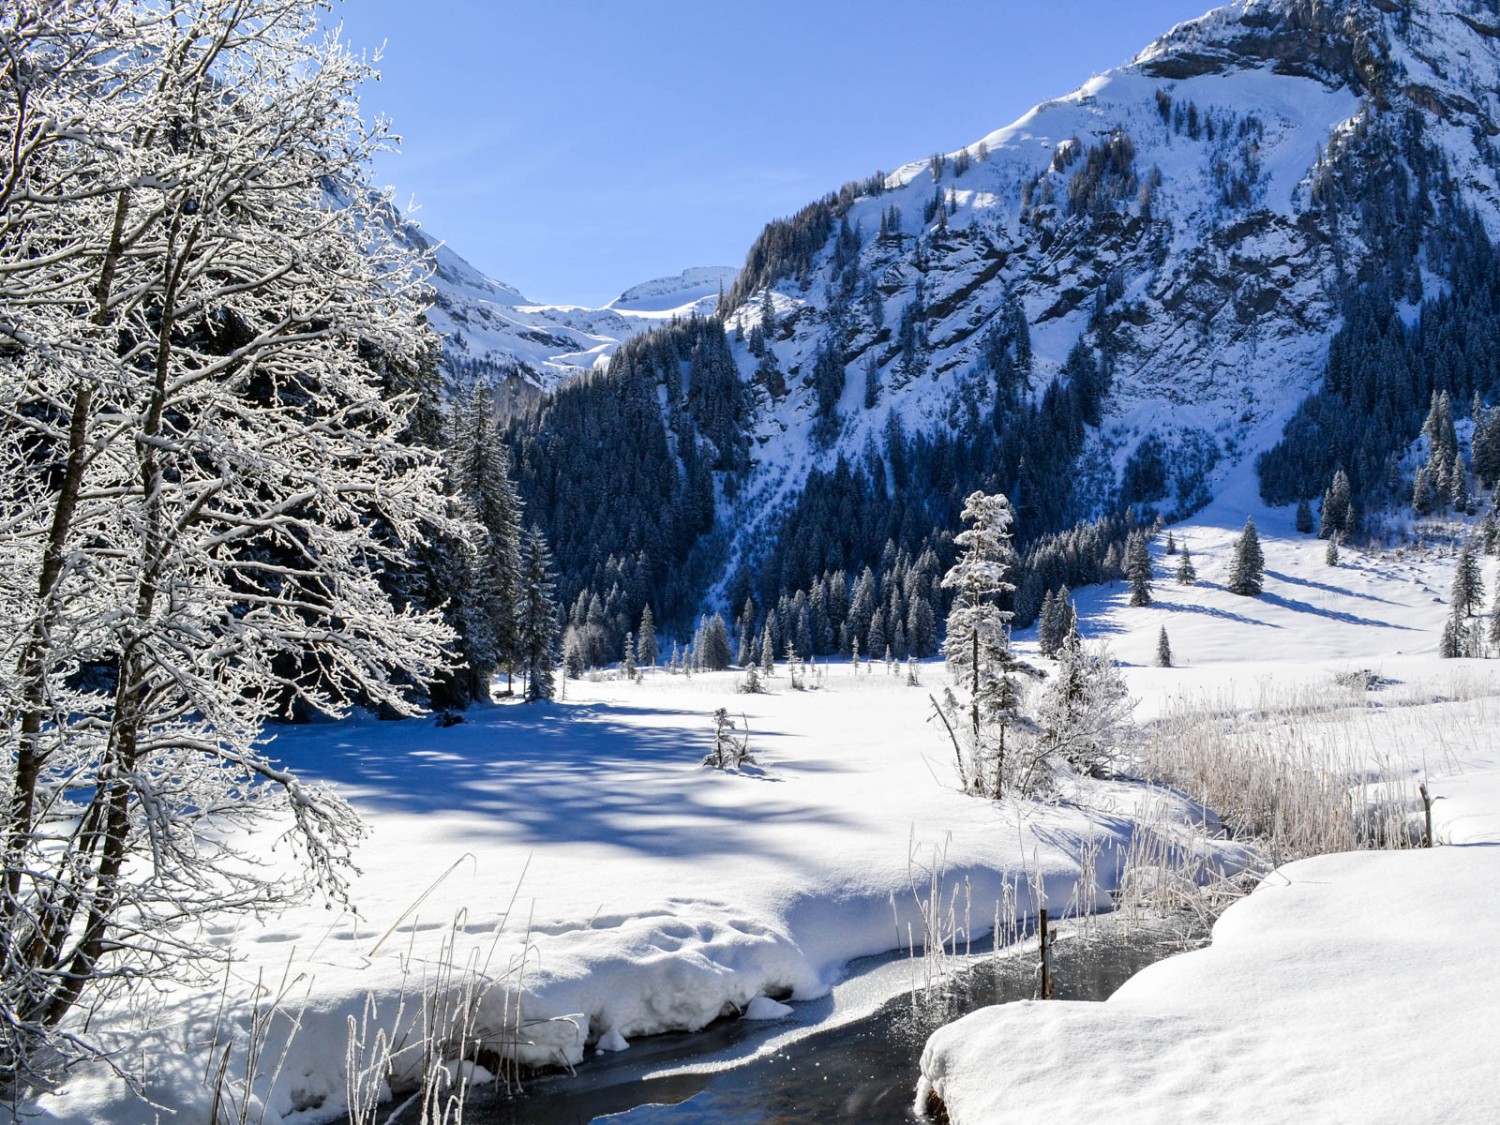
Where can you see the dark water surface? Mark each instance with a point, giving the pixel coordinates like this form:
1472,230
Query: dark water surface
864,1071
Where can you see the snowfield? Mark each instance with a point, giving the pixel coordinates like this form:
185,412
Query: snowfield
576,860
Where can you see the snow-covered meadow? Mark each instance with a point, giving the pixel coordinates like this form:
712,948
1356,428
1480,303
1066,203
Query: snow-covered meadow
576,859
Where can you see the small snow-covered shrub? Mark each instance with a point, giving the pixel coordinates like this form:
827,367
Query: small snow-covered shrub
731,750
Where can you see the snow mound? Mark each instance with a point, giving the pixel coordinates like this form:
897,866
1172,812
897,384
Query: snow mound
764,1008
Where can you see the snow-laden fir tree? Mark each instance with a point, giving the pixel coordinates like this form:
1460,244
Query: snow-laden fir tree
1331,555
1163,649
711,643
201,475
1336,516
627,658
1048,626
977,646
1456,639
1247,571
646,650
1171,544
480,469
536,627
1187,573
1138,569
573,663
1467,593
1492,634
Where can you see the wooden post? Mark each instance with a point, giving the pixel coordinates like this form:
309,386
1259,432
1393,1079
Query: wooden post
1046,957
1427,810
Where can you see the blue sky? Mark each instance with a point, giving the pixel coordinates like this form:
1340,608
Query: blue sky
574,148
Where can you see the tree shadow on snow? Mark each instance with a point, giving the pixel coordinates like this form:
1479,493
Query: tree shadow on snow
1326,588
1213,611
1332,614
553,773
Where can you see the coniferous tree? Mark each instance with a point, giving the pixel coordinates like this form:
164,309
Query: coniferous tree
767,651
1163,649
627,661
1455,638
1138,570
1493,634
1337,512
1423,493
573,661
481,473
537,620
1489,533
712,645
1486,446
1187,573
1171,544
978,641
1247,572
1304,517
878,642
1459,497
1049,625
1468,585
1331,555
646,650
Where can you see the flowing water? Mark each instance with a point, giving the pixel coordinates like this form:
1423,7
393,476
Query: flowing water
841,1058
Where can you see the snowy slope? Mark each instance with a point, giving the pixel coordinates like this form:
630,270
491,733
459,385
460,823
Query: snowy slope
1213,300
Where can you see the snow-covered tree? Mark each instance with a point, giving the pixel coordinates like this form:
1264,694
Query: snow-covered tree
1085,709
480,469
1138,570
1467,594
1336,516
1048,626
977,646
200,476
646,649
1247,571
711,643
1163,649
1492,635
1455,640
1187,573
536,629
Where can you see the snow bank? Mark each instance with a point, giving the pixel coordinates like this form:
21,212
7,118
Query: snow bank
1346,988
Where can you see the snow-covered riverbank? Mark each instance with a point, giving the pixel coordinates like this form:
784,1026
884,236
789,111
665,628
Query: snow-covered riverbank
1358,987
576,855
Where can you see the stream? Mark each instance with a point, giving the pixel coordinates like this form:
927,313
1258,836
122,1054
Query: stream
853,1055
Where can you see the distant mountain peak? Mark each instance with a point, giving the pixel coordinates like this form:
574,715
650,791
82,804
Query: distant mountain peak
690,287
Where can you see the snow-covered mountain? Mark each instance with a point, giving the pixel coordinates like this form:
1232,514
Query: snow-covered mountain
491,331
1122,297
1195,218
